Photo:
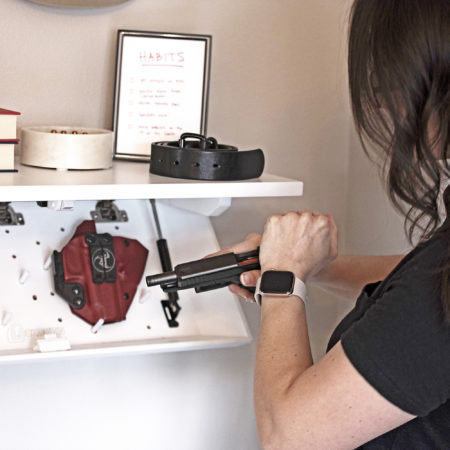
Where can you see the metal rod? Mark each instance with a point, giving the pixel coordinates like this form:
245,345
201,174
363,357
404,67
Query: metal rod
155,215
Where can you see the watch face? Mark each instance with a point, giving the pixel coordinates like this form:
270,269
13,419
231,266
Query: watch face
277,282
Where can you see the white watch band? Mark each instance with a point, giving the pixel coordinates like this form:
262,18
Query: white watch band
299,290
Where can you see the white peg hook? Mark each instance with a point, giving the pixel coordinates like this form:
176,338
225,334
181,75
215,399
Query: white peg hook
7,317
98,325
24,275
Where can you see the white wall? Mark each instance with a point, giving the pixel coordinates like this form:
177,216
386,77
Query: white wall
373,226
277,82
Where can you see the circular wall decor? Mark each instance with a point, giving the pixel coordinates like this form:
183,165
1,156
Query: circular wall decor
80,3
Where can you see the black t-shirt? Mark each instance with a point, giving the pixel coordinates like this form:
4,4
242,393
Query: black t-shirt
397,340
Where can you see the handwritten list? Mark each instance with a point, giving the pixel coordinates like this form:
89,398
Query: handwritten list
161,91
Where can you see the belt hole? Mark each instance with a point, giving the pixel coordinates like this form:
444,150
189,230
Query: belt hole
175,163
160,160
216,166
196,164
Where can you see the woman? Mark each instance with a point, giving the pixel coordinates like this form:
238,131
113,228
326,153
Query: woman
385,381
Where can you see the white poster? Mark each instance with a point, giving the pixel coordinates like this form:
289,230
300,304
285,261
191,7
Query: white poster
161,90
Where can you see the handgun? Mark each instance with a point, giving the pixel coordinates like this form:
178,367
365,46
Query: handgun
208,273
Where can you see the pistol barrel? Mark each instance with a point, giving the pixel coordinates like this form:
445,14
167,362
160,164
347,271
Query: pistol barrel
161,279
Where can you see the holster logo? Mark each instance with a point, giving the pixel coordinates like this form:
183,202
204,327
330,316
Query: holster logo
103,260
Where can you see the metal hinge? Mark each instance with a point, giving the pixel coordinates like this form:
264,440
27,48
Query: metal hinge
8,216
107,211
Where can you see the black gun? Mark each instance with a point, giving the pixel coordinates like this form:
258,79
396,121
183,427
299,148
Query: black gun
207,273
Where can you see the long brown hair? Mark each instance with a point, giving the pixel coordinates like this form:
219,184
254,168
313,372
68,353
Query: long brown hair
399,76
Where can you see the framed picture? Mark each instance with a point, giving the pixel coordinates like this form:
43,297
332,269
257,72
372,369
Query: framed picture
161,89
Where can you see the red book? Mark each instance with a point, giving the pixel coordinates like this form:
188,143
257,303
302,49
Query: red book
8,125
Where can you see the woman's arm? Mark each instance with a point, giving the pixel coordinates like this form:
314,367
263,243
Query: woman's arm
348,274
344,277
328,405
298,404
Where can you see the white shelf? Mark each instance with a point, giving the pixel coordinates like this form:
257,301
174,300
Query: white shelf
131,180
208,320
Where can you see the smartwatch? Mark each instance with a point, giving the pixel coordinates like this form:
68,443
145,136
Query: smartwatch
278,283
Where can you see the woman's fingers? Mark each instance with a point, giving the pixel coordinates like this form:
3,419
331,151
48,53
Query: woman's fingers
251,242
241,292
220,252
254,237
250,277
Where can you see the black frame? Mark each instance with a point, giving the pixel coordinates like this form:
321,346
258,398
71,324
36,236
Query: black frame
121,34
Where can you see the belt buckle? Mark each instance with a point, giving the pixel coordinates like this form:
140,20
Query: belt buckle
204,143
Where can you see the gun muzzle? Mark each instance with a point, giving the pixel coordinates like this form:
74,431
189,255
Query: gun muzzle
165,278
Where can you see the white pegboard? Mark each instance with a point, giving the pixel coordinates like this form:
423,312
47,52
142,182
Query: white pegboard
33,309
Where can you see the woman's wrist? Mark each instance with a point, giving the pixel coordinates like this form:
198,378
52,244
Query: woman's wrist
272,303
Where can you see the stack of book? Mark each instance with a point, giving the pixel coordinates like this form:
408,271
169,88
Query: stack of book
8,139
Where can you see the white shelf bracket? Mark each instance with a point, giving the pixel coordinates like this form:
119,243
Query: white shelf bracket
208,207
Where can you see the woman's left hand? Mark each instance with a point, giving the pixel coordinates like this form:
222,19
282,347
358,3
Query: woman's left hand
301,242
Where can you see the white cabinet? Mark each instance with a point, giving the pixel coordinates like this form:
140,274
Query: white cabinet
30,309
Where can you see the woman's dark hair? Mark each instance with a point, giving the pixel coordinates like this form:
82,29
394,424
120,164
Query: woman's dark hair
399,76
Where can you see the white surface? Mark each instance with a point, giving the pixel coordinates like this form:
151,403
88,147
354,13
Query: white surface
131,180
8,124
7,156
210,207
67,148
52,343
206,320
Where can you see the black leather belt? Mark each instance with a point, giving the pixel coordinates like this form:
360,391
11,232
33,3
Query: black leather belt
204,159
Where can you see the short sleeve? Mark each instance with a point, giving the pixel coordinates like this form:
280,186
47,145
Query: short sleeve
401,345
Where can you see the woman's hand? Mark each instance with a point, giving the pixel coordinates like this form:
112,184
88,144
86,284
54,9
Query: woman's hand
302,242
248,278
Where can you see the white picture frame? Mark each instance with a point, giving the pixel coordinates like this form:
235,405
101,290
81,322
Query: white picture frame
161,89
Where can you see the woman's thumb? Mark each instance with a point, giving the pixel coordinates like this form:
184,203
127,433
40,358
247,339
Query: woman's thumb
250,277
